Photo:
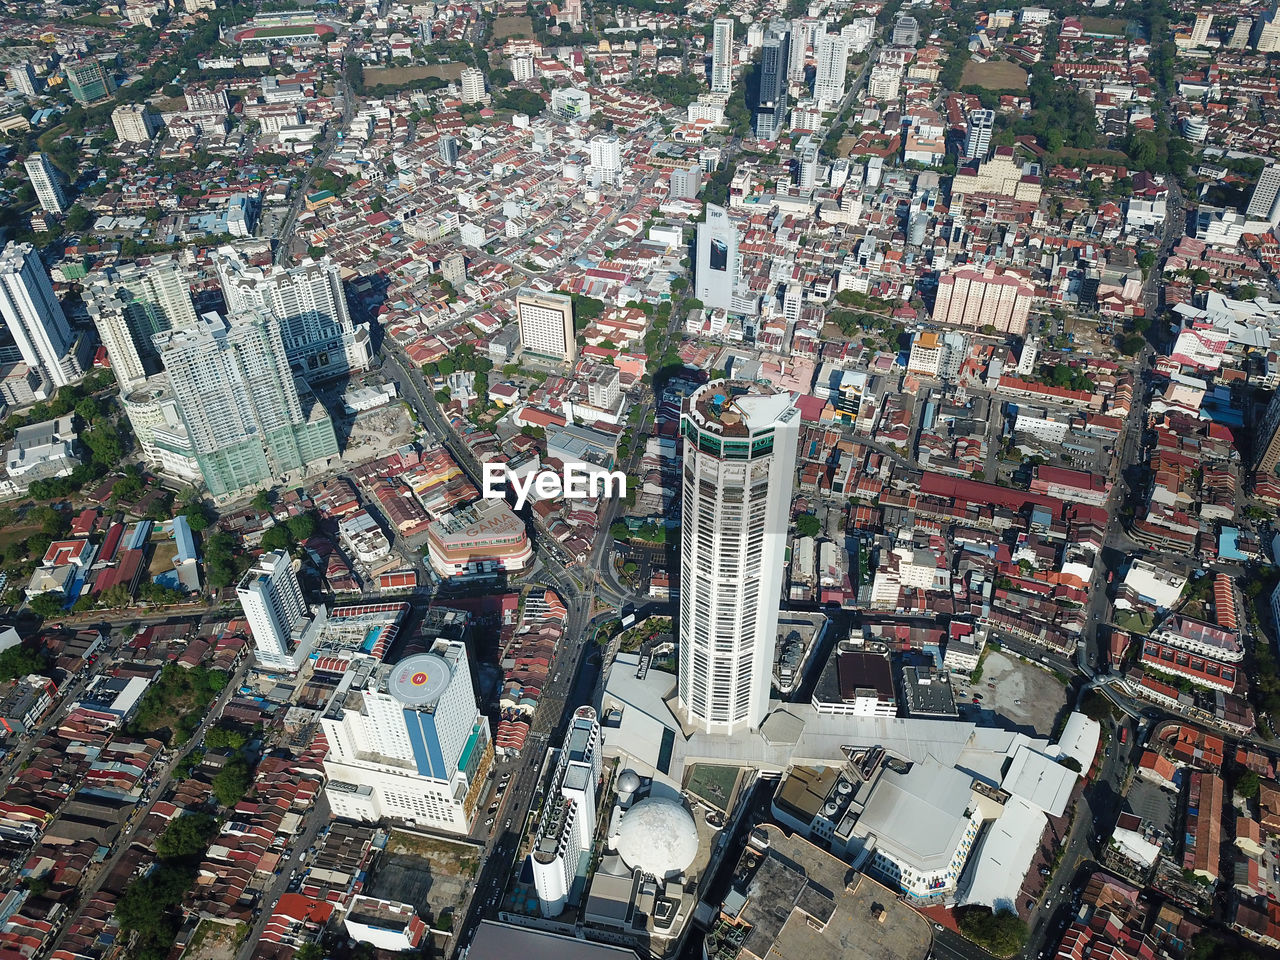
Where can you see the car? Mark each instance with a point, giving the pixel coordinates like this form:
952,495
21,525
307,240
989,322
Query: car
489,822
1017,701
938,927
976,701
1044,871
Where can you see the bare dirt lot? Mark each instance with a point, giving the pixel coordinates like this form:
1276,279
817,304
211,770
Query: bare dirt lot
429,872
395,76
505,27
215,940
376,433
994,75
1024,695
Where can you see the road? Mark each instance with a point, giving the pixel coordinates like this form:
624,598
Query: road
155,792
317,818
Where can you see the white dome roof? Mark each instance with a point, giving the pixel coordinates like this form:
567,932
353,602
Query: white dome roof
629,782
658,837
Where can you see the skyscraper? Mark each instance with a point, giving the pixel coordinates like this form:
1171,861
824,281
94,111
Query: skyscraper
1200,30
740,444
906,31
33,317
453,268
283,628
606,159
798,46
449,150
832,55
1240,33
22,77
977,139
546,325
719,265
247,422
1267,29
1266,453
771,101
134,123
407,741
472,83
46,181
722,52
1263,204
131,304
308,301
89,80
567,828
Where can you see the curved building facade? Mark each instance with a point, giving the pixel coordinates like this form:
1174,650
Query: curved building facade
740,443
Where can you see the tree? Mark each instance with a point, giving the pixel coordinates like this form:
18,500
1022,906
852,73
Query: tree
21,660
302,526
1071,763
224,736
1248,785
278,538
501,77
261,501
47,605
807,525
232,782
78,219
186,836
1003,933
1097,707
1131,344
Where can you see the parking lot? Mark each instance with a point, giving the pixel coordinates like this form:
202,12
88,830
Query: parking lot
1019,694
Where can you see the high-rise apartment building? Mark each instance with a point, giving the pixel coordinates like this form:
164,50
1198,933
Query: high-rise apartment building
567,828
1268,31
722,54
22,77
408,742
46,181
247,422
453,268
1263,204
606,159
1240,33
807,167
448,150
89,80
130,305
718,273
546,325
832,56
884,82
906,31
797,50
283,628
974,297
472,84
522,69
771,100
977,139
134,123
1200,30
308,301
1266,454
33,317
740,443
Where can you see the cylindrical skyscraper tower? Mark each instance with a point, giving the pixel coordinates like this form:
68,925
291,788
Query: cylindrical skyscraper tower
740,444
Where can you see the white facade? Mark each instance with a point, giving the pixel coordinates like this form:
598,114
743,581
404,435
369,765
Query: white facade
46,182
977,139
884,83
472,82
546,325
34,317
833,57
606,158
568,825
130,305
739,464
134,123
407,741
1263,203
722,52
273,604
1036,422
307,300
